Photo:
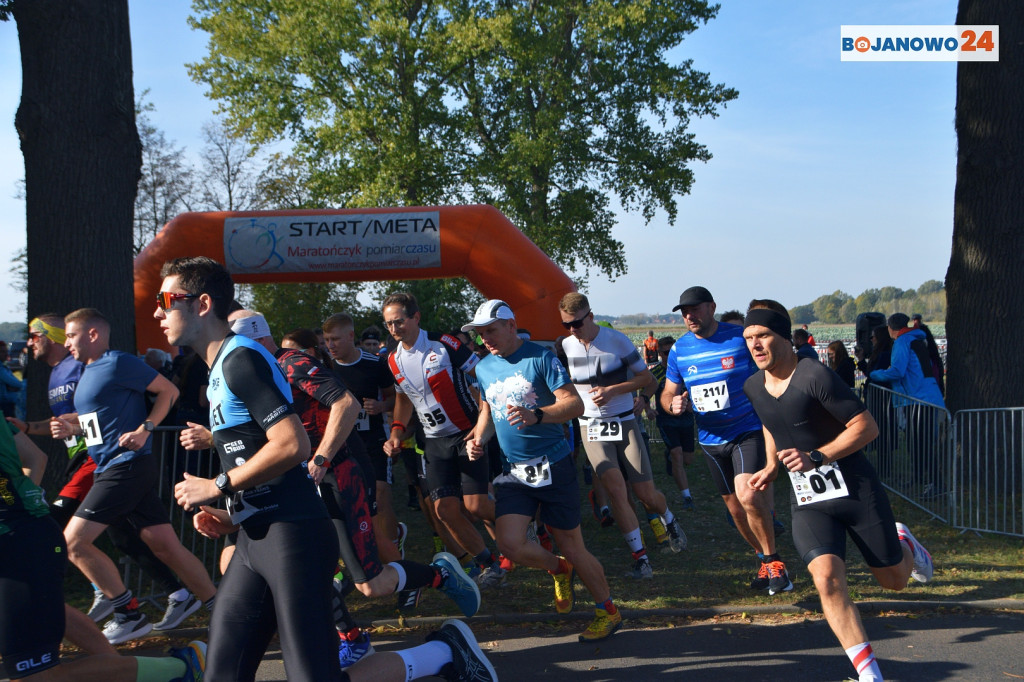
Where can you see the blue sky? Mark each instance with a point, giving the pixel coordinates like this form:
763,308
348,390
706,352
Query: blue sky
826,174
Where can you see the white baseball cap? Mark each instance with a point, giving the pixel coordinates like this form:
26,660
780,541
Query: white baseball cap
488,312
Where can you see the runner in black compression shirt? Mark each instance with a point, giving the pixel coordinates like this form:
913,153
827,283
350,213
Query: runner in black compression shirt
281,574
816,427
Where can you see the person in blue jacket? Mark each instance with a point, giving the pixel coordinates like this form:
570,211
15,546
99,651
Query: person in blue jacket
910,376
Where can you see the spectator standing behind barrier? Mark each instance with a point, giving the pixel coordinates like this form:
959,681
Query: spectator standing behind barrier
804,346
10,387
840,362
938,368
910,375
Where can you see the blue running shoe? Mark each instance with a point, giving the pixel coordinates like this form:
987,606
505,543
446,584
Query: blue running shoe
350,653
194,656
459,587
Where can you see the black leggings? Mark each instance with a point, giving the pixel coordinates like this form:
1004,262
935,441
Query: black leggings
280,579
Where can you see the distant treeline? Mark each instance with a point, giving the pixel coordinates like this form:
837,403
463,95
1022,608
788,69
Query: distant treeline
839,307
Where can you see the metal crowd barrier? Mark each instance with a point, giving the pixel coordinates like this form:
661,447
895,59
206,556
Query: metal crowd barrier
989,470
174,461
913,453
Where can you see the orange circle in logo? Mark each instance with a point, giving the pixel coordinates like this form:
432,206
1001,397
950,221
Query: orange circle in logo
862,44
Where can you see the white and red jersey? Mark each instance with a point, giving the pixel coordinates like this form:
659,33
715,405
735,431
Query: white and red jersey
432,374
610,359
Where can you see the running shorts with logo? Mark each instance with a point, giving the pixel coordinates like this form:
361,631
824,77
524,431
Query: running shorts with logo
33,558
743,455
126,491
32,561
814,410
450,472
626,453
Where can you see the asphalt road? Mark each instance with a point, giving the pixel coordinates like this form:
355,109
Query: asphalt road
917,647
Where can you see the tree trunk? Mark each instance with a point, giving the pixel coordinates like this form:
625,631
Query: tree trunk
985,278
76,123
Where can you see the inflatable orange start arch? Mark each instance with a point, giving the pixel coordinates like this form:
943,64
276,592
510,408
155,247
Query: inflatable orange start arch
359,245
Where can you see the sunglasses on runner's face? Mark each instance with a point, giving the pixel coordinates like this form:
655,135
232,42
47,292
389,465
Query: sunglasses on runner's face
576,324
166,299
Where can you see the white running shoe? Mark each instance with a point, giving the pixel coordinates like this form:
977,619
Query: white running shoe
101,606
923,566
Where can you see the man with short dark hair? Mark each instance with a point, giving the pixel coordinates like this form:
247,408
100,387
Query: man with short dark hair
802,344
910,374
112,419
705,372
816,427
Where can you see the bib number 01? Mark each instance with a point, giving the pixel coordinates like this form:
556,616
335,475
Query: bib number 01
824,483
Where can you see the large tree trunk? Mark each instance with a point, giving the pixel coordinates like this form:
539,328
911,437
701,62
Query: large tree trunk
984,283
76,122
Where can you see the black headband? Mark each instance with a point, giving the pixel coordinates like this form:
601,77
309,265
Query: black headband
775,321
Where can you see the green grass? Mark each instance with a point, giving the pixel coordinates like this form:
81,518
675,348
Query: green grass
716,569
718,566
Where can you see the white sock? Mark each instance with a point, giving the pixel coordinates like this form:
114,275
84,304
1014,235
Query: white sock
863,659
180,595
668,517
425,659
401,575
633,540
686,493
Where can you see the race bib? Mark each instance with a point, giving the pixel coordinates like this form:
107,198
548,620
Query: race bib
604,429
710,397
90,424
70,442
363,421
824,483
535,473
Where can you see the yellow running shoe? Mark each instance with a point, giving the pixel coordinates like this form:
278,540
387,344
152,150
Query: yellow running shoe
602,627
565,595
661,535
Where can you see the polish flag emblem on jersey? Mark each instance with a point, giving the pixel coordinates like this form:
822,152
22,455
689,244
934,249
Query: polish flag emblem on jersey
728,363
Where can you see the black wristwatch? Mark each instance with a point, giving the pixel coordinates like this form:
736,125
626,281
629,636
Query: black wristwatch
224,485
320,460
148,425
817,459
539,414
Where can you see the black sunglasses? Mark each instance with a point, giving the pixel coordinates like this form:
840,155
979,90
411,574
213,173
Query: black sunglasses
576,324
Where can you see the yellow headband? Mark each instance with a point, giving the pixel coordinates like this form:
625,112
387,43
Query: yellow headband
55,334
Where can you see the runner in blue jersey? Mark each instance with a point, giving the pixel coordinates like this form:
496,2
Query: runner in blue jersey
116,424
281,575
711,362
526,397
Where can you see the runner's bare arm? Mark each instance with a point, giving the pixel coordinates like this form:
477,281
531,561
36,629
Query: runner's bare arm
398,432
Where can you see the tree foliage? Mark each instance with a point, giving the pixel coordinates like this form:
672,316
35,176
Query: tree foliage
840,308
545,109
